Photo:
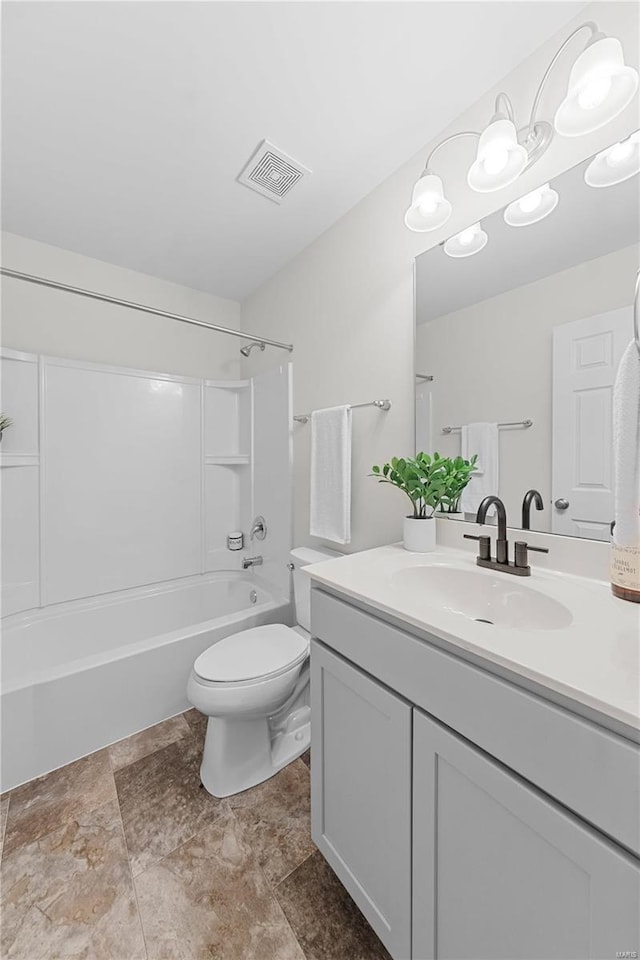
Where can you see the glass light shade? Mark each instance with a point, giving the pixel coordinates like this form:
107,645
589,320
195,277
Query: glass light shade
500,159
532,207
615,164
467,242
600,87
429,208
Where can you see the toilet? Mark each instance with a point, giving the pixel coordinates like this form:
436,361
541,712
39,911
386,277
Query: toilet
254,687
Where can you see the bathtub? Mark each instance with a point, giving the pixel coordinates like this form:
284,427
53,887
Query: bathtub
81,675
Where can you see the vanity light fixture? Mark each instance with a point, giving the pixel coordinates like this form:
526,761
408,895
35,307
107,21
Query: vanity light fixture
469,241
600,86
615,164
429,208
532,207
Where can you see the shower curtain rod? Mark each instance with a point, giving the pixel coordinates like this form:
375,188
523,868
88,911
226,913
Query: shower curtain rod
92,295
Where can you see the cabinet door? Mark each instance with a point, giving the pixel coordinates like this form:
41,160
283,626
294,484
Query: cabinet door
501,872
361,792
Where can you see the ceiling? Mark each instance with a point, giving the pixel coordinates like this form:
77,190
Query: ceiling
586,224
125,125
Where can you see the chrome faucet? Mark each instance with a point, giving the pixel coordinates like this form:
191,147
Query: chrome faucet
520,565
251,562
531,496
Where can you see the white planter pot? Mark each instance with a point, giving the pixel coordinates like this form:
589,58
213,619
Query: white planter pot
419,535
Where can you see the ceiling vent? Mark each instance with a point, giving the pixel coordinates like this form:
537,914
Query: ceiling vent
271,172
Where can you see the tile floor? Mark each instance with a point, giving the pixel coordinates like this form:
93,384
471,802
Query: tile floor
121,855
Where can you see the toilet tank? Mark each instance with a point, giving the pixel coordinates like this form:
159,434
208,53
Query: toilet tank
303,557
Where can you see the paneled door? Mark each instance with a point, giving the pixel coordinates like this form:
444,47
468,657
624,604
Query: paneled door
500,872
361,792
586,355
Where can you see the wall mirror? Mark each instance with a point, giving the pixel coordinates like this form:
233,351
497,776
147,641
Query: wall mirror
527,332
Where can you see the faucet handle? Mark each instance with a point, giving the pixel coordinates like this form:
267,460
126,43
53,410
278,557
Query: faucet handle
484,544
522,550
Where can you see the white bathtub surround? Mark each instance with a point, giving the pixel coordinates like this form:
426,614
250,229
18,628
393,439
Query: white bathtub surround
330,510
114,478
81,675
254,687
419,535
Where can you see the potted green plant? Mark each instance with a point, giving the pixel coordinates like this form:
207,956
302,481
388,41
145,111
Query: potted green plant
422,480
457,473
5,422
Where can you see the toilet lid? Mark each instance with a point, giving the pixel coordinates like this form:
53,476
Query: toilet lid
252,654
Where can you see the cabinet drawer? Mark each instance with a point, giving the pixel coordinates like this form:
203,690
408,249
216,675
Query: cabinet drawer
587,768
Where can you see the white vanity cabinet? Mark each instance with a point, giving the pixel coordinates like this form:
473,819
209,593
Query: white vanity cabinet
361,792
467,817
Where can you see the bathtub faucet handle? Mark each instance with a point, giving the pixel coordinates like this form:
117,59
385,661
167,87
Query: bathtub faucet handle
258,528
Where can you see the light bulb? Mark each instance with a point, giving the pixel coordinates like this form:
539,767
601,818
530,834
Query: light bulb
496,159
428,204
531,208
595,92
531,201
466,237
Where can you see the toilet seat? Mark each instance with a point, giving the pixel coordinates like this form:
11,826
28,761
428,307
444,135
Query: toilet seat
252,656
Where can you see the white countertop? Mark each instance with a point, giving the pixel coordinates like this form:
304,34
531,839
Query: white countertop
594,661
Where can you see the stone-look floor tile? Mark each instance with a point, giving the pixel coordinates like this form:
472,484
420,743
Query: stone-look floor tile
70,894
148,741
275,817
40,806
162,802
323,916
4,811
198,723
306,757
209,899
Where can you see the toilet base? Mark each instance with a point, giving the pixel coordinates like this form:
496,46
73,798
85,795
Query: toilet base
239,754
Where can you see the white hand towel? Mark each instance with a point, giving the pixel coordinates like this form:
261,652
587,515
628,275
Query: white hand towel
626,449
482,439
330,511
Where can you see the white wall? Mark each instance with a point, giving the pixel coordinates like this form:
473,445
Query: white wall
346,302
466,348
41,320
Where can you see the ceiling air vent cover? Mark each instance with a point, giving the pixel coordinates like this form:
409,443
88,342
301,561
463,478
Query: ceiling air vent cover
271,172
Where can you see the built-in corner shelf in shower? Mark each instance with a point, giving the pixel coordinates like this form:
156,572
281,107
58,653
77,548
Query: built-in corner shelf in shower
227,453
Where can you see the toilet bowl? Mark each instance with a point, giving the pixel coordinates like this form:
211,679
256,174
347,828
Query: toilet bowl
254,688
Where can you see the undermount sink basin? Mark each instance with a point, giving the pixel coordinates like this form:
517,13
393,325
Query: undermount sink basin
494,599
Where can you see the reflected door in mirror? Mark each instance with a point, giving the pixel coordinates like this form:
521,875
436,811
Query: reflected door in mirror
586,355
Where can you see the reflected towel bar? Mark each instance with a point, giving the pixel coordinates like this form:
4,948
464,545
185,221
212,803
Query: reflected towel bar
510,423
380,404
